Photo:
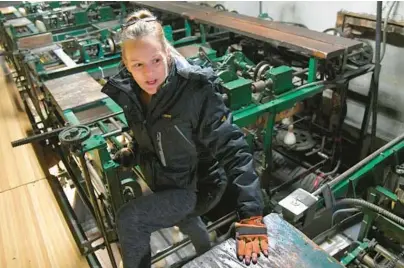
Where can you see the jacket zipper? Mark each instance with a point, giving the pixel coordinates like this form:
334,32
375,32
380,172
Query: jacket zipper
182,135
160,149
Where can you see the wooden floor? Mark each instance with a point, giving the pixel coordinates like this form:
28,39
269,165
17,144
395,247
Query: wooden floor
33,232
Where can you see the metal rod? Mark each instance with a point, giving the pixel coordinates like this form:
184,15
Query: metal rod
55,132
173,248
76,37
71,219
112,133
377,73
97,179
297,73
360,164
116,124
392,257
368,261
73,177
260,8
94,202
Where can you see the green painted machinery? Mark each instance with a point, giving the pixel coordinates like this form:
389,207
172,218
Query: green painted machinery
57,20
87,128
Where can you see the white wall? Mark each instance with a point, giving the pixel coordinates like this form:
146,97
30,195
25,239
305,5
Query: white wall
322,15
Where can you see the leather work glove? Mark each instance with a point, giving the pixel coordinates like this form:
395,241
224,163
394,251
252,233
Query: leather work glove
125,157
251,239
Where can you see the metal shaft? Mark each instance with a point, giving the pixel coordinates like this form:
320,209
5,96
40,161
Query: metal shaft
97,211
387,254
360,164
368,261
377,72
55,132
116,124
78,233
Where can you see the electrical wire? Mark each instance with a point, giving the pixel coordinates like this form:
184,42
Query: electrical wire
344,210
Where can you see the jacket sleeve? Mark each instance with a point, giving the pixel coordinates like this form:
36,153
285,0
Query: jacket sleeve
227,144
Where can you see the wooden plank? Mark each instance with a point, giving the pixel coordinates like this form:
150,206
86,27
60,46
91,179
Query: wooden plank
35,41
18,165
288,248
310,42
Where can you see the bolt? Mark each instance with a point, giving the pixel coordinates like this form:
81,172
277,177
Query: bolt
74,131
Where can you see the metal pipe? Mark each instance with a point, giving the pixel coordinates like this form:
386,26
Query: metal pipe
75,180
116,124
360,164
76,37
173,248
368,261
392,257
112,133
94,202
344,210
297,73
377,73
96,178
260,8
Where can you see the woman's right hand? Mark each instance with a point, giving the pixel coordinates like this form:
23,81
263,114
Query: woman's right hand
125,157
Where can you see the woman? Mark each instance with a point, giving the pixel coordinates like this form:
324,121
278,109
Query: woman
185,145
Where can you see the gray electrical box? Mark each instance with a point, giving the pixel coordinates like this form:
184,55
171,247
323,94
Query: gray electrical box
295,204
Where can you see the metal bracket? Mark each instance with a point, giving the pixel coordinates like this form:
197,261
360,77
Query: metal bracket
328,196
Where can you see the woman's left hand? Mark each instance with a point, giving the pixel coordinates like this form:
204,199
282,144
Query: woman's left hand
251,239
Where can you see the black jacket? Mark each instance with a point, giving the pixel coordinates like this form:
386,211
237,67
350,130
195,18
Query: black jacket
185,138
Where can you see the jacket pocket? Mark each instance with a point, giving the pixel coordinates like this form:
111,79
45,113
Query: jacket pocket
184,137
175,146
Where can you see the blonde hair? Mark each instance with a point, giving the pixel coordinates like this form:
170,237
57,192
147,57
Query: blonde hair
143,23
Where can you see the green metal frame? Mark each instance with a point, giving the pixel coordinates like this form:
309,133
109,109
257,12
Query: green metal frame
351,256
395,153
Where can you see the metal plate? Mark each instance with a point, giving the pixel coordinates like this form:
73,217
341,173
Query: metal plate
18,22
43,49
288,248
93,113
65,58
107,24
310,42
74,91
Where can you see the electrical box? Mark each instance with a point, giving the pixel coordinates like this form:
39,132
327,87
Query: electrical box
296,204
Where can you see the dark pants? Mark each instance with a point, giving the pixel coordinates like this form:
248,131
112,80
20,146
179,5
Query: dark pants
139,218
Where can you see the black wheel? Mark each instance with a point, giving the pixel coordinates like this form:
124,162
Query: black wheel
333,31
130,189
260,69
74,135
220,7
364,55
